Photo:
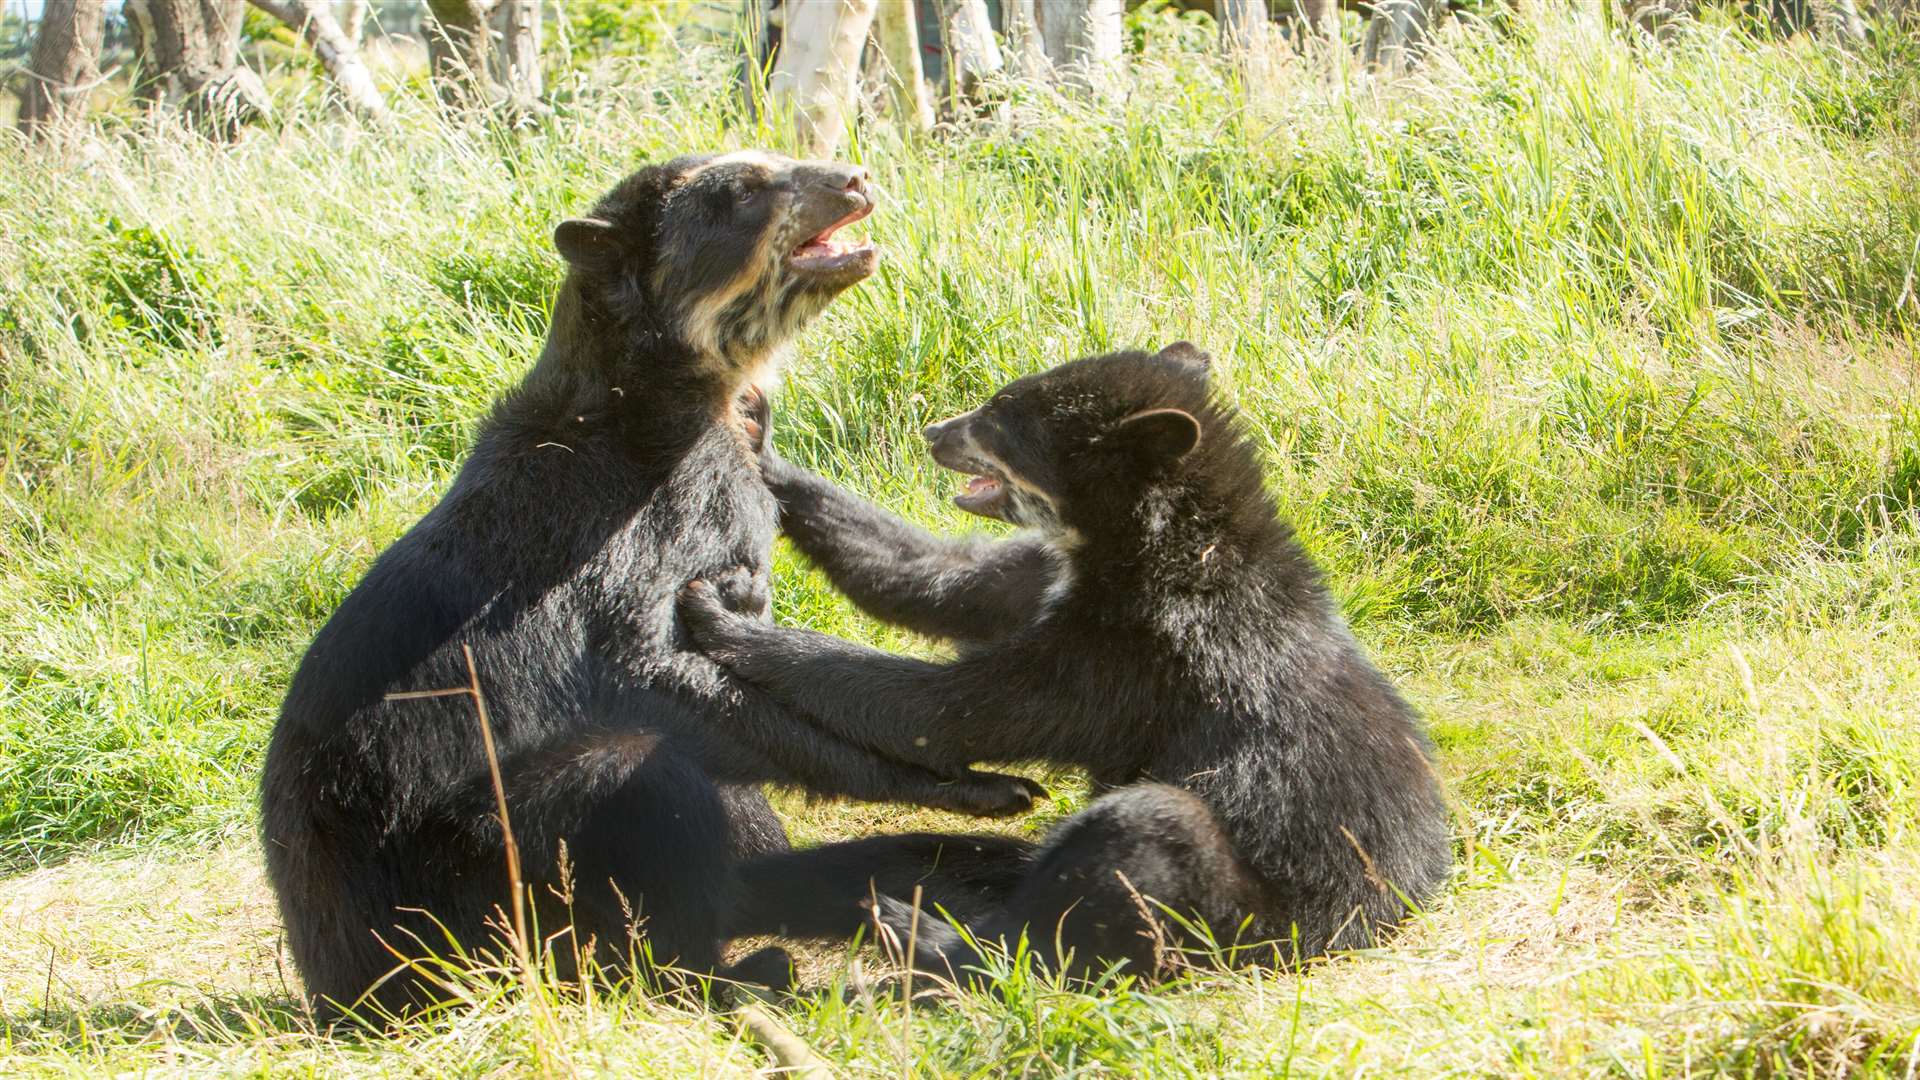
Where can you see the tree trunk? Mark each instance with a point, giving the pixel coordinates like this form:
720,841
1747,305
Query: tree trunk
1318,17
1082,38
1397,32
898,32
1025,41
1841,18
353,20
974,54
818,67
519,25
190,58
66,57
1658,19
460,52
1243,31
338,51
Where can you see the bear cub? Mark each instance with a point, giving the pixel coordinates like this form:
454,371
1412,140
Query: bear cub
1158,626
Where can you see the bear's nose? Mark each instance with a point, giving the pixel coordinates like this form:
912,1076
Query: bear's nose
939,430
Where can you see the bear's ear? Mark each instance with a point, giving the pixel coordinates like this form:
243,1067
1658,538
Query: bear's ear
588,243
1186,354
1160,435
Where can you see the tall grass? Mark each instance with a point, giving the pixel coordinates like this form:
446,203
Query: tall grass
1589,372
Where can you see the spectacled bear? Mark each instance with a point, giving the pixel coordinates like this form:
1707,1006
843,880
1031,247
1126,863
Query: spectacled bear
1160,627
617,471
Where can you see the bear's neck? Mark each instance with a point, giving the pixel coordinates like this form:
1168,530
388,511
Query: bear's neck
634,366
1213,522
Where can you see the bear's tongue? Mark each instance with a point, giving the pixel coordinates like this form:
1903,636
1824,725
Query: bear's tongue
981,485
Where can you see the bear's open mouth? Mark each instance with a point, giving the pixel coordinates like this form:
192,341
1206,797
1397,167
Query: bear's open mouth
986,494
822,252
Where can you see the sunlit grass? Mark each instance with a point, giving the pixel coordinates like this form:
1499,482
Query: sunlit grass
1589,372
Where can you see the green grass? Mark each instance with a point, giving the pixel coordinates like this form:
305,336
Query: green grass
1589,372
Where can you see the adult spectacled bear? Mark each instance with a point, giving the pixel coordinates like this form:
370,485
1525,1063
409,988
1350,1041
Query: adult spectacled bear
1160,627
614,473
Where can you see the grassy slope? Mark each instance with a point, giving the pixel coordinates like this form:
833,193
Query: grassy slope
1591,375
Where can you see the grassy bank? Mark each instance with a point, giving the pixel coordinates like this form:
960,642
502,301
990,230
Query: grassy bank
1589,373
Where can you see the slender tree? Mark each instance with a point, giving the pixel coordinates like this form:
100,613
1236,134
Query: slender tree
818,67
973,55
898,33
519,24
468,70
353,20
1398,32
1317,17
1243,31
1025,41
66,58
460,52
1082,38
337,48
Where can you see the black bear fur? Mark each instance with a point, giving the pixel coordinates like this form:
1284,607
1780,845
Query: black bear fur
1161,628
617,471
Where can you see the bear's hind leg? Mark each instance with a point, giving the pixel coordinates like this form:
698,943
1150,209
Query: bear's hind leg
1094,896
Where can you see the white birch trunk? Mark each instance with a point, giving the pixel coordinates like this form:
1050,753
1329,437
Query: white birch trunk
1024,40
818,66
975,55
519,22
1243,32
338,51
898,33
1082,38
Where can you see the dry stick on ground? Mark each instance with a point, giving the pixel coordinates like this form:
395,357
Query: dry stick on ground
795,1057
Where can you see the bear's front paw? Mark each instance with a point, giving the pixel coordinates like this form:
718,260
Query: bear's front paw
987,794
711,626
756,418
742,591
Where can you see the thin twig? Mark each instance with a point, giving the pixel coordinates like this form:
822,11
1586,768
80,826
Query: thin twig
906,1005
514,880
1156,935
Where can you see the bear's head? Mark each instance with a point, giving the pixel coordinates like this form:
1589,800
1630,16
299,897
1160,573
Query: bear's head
729,254
1085,445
